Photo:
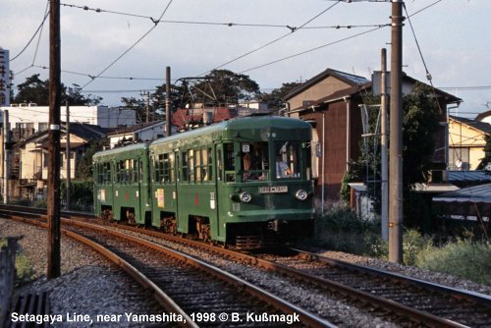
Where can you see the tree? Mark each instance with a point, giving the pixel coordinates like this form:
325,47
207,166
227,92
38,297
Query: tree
420,123
84,165
486,160
34,90
275,99
222,87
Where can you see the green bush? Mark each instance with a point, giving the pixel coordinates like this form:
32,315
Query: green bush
81,192
339,228
463,258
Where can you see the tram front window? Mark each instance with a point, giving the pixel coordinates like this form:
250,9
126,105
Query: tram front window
255,163
287,160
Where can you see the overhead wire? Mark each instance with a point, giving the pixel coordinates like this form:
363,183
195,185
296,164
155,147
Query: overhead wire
311,50
46,14
273,41
93,78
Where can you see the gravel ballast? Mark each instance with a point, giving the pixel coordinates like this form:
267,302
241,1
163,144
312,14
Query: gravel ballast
89,283
86,273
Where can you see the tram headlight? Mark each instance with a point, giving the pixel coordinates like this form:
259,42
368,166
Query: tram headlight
301,194
245,197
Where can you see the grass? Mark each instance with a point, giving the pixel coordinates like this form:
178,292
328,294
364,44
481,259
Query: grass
464,258
340,229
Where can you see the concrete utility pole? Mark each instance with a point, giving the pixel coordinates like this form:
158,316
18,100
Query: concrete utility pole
6,157
147,104
68,164
395,179
168,124
384,147
54,260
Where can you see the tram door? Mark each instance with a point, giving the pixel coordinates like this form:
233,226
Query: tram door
219,191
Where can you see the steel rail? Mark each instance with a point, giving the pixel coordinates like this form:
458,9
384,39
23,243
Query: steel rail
458,293
164,299
414,314
306,317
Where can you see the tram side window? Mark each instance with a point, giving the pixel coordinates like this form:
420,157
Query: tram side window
255,162
207,164
127,172
185,168
169,168
219,165
287,160
198,165
164,168
104,173
229,162
191,160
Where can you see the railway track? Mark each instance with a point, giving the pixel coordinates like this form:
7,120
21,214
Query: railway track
422,302
194,292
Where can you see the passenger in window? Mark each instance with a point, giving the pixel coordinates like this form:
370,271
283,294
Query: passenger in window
282,168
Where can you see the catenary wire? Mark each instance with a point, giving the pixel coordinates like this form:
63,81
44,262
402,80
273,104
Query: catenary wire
273,41
33,36
129,49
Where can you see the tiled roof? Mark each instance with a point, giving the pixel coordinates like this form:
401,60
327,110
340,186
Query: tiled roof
351,79
481,126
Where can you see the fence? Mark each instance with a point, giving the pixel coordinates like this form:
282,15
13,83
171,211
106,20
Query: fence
7,275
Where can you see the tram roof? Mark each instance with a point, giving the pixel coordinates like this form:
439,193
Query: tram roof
243,123
118,150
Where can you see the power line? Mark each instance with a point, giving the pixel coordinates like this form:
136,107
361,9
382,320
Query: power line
105,77
273,41
33,36
311,50
131,47
210,23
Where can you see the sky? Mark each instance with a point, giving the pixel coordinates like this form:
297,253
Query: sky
453,36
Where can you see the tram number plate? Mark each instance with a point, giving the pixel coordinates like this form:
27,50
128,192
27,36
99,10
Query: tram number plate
273,190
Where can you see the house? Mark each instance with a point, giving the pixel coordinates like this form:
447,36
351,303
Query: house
484,117
466,142
332,102
27,119
190,118
30,159
136,133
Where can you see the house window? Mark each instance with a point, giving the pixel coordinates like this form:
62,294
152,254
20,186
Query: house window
459,158
42,126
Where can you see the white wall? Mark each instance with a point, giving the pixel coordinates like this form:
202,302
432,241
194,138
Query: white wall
96,115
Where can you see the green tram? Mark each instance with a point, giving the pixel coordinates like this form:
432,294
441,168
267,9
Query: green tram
241,182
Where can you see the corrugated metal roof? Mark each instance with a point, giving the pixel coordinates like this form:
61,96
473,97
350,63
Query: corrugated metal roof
474,176
476,194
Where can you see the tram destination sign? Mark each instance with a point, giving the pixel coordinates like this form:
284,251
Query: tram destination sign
273,190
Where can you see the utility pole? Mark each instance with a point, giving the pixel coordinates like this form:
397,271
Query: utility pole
168,124
395,192
384,147
6,157
68,164
54,260
147,104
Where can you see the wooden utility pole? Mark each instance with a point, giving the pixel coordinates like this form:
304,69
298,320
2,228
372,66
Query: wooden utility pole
54,261
396,149
168,124
384,147
68,163
6,157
